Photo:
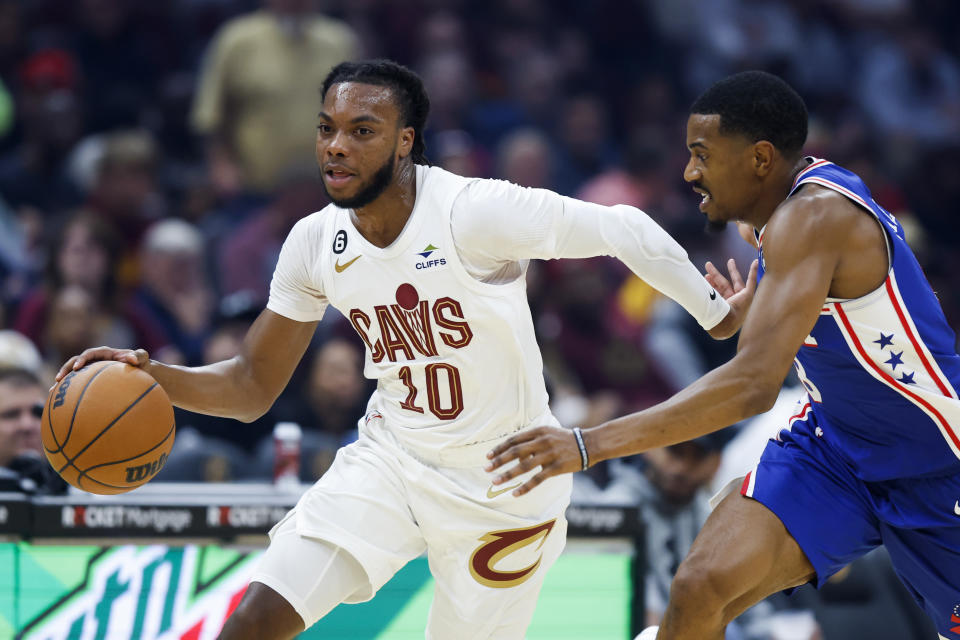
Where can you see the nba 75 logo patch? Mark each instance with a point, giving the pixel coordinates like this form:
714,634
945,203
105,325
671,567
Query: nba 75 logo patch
430,260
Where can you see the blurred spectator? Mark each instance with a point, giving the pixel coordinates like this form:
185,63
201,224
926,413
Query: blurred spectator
448,78
12,33
83,256
335,392
332,401
248,256
21,403
455,151
911,89
71,325
591,328
585,148
524,158
22,464
51,121
124,190
119,73
257,97
175,296
640,182
18,352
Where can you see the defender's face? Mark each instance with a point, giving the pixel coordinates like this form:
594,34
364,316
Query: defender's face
357,137
720,169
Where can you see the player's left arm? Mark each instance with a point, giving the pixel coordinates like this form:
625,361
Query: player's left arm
802,248
497,222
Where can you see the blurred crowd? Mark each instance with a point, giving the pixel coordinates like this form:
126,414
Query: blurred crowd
154,155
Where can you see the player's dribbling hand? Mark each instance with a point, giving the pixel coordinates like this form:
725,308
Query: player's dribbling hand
553,449
137,358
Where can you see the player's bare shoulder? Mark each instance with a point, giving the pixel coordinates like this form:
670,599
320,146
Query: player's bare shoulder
817,221
821,208
813,217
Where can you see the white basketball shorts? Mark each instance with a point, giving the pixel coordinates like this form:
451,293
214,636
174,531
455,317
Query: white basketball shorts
487,550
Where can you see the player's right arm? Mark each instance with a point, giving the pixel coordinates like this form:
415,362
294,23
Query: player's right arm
245,386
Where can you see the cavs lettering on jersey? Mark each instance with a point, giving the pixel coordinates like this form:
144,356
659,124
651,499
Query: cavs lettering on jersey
881,370
456,359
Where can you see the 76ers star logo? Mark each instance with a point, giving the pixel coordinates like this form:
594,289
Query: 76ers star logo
955,619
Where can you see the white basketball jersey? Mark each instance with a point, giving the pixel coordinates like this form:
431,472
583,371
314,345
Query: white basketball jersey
455,359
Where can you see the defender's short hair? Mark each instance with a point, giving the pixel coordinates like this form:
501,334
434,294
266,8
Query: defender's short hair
759,106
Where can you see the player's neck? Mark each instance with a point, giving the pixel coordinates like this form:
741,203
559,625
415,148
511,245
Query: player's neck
382,221
774,195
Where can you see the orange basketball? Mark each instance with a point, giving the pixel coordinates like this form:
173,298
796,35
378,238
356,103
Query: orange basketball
108,428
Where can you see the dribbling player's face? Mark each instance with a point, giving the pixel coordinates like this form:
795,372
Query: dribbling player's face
719,169
359,141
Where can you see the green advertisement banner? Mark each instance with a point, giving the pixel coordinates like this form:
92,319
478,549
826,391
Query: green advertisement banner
163,592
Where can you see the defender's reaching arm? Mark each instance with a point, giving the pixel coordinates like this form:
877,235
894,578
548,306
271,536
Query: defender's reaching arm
803,244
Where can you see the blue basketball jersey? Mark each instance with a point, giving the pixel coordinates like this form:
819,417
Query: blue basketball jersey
882,370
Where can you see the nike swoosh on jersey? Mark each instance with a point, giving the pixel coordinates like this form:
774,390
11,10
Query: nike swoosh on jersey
713,295
956,507
491,494
342,267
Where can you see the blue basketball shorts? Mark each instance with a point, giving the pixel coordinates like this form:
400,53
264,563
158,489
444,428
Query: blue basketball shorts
836,517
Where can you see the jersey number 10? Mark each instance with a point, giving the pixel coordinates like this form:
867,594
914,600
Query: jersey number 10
433,370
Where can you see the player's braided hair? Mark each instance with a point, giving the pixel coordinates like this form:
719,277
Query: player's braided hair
407,89
760,106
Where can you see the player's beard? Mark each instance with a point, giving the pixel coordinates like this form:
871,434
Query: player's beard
369,192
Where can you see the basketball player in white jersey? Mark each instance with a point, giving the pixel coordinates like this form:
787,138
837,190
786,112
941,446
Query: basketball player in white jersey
429,269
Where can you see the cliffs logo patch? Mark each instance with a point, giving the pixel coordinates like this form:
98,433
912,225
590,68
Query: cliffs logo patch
427,262
497,545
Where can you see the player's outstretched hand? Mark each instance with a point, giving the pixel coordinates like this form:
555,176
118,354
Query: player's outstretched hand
553,449
737,292
137,358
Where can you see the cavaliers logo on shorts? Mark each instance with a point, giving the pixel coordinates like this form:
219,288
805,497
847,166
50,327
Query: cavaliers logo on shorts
499,544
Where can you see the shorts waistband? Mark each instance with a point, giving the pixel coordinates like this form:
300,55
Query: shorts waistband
472,455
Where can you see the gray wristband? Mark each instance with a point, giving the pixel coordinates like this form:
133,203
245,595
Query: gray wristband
584,458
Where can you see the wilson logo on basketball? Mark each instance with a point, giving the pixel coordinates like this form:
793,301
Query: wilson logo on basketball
62,390
139,472
499,544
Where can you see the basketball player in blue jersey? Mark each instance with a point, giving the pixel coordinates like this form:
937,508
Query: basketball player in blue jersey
872,455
